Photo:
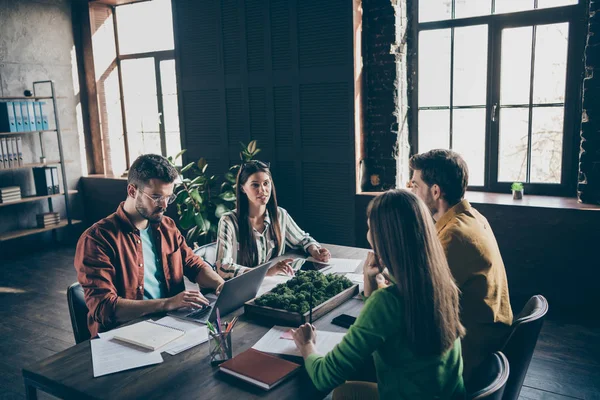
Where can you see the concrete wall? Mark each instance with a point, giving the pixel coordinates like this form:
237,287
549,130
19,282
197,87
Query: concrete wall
36,43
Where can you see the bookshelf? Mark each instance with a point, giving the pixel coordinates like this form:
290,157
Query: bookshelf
61,163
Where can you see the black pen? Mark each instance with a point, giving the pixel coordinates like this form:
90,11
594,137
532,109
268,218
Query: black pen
311,304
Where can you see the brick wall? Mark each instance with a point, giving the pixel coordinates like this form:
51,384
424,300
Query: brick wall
380,124
588,189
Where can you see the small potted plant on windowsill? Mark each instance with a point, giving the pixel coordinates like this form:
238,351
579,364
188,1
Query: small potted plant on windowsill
517,190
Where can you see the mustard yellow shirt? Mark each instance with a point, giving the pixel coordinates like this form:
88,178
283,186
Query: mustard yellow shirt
476,264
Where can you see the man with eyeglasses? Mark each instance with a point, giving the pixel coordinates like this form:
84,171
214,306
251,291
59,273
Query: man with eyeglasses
132,262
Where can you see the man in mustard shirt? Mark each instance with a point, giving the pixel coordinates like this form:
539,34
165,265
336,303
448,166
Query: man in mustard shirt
440,179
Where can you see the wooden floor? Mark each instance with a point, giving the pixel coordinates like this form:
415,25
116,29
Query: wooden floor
34,324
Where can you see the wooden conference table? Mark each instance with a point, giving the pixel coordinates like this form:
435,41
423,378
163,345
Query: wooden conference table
187,375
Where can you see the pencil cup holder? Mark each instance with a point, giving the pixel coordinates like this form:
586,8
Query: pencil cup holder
219,347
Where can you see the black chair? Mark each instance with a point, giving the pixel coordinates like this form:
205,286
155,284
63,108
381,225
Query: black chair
489,380
520,344
78,311
208,252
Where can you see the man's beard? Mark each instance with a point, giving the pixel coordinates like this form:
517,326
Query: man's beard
151,216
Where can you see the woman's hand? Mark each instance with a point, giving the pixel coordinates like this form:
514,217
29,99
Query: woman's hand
319,254
305,338
372,266
282,267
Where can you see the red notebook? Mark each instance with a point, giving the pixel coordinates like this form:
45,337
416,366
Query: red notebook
260,369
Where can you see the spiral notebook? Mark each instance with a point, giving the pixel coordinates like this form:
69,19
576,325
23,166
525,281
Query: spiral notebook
148,334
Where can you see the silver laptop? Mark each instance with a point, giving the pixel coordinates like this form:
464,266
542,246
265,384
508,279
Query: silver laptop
234,294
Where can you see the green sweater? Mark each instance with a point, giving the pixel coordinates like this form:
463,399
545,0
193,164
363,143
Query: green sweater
400,373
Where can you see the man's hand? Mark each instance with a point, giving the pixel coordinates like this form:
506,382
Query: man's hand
319,254
188,298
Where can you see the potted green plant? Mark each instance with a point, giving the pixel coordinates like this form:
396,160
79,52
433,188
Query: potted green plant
202,199
517,190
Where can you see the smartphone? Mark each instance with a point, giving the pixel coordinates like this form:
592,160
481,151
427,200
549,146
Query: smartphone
343,320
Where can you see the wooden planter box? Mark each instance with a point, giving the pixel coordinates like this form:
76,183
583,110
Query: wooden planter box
288,318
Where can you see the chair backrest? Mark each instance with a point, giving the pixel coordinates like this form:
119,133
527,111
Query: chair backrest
208,252
78,311
521,342
489,380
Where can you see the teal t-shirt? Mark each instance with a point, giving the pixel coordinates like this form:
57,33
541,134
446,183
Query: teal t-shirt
155,286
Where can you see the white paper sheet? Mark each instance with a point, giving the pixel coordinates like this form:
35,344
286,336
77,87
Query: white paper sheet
195,334
342,266
272,342
357,278
110,356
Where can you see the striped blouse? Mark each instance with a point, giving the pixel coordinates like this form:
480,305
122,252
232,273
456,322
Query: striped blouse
227,242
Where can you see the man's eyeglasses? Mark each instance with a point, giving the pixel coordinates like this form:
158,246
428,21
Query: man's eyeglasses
261,164
158,200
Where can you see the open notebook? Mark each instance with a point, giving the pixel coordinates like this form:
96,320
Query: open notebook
148,334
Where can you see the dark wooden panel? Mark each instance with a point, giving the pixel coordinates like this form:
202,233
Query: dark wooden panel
259,129
235,121
331,218
202,118
280,35
255,34
197,37
325,115
324,33
282,100
284,176
231,36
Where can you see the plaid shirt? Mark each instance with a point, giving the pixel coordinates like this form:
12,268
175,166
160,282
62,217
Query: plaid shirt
227,242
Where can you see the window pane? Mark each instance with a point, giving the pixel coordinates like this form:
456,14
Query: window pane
512,162
144,27
550,70
555,3
468,139
546,144
170,109
434,10
434,68
470,65
515,65
141,106
434,130
472,8
507,6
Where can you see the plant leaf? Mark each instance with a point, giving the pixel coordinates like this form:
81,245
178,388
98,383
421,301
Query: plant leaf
230,177
221,209
228,196
180,154
252,146
190,165
194,194
187,219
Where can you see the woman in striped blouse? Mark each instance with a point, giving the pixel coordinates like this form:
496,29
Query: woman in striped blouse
258,229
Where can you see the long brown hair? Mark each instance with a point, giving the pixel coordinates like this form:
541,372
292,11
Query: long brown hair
405,241
248,252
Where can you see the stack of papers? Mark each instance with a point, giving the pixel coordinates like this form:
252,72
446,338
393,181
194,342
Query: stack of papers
277,341
110,355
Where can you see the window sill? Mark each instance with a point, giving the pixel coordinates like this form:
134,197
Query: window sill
108,177
534,201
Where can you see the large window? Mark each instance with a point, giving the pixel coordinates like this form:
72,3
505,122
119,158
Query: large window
146,59
497,81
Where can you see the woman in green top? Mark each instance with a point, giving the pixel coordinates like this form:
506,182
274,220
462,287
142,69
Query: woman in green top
412,328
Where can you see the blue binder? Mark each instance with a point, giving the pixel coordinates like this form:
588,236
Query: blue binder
37,112
31,114
7,117
25,116
18,117
44,115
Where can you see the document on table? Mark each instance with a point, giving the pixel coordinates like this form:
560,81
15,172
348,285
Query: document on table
110,356
195,334
358,279
339,265
272,342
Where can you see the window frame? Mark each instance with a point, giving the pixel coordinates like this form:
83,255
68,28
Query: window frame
158,56
574,15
